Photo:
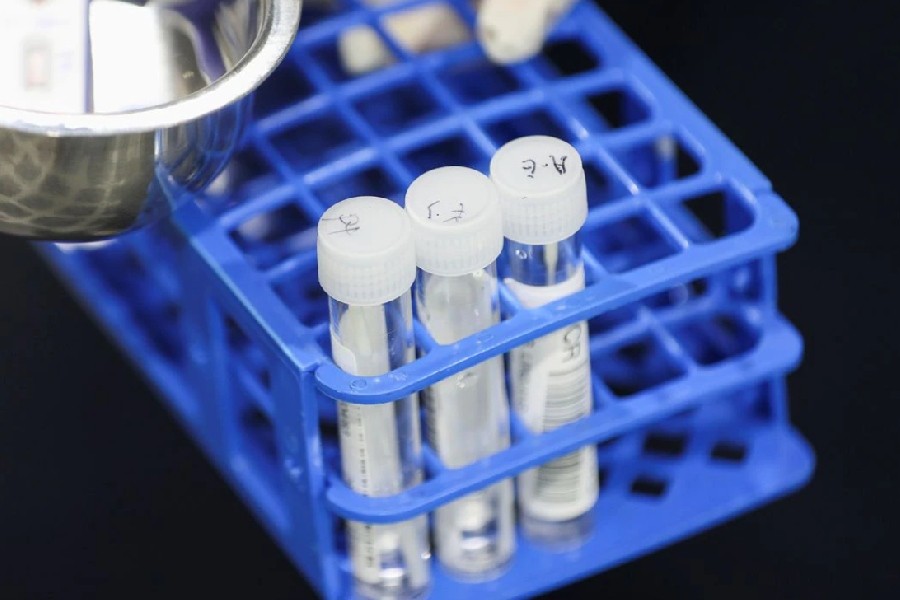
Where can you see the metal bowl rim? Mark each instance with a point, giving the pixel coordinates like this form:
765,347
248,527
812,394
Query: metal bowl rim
280,21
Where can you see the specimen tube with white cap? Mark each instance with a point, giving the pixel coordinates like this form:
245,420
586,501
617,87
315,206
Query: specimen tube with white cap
367,267
455,214
543,195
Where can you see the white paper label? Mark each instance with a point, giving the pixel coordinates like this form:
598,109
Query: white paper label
551,386
370,460
369,457
45,57
369,445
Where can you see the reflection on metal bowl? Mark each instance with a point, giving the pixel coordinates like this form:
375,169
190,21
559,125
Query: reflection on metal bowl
167,104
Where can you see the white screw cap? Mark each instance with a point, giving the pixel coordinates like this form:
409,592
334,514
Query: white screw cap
367,255
455,214
543,194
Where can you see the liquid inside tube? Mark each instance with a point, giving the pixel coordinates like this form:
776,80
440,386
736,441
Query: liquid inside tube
551,386
380,448
468,420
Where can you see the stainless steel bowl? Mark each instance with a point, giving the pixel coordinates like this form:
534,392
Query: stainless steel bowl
169,86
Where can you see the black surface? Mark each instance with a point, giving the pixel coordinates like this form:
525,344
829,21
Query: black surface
102,496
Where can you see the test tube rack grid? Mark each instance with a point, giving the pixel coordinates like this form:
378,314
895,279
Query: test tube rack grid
220,308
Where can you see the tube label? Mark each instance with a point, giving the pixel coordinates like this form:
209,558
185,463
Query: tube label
371,455
551,386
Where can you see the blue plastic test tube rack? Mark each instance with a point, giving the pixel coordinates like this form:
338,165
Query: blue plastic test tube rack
221,310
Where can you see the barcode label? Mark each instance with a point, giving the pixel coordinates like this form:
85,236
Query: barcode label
370,467
568,399
557,481
568,396
374,459
553,392
355,467
354,454
369,448
551,384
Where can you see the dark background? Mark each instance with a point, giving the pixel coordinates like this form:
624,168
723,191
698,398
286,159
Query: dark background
103,496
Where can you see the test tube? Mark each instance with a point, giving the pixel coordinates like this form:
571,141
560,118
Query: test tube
543,195
367,267
458,230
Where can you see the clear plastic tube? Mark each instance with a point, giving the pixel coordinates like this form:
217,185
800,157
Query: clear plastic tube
468,419
380,448
551,386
